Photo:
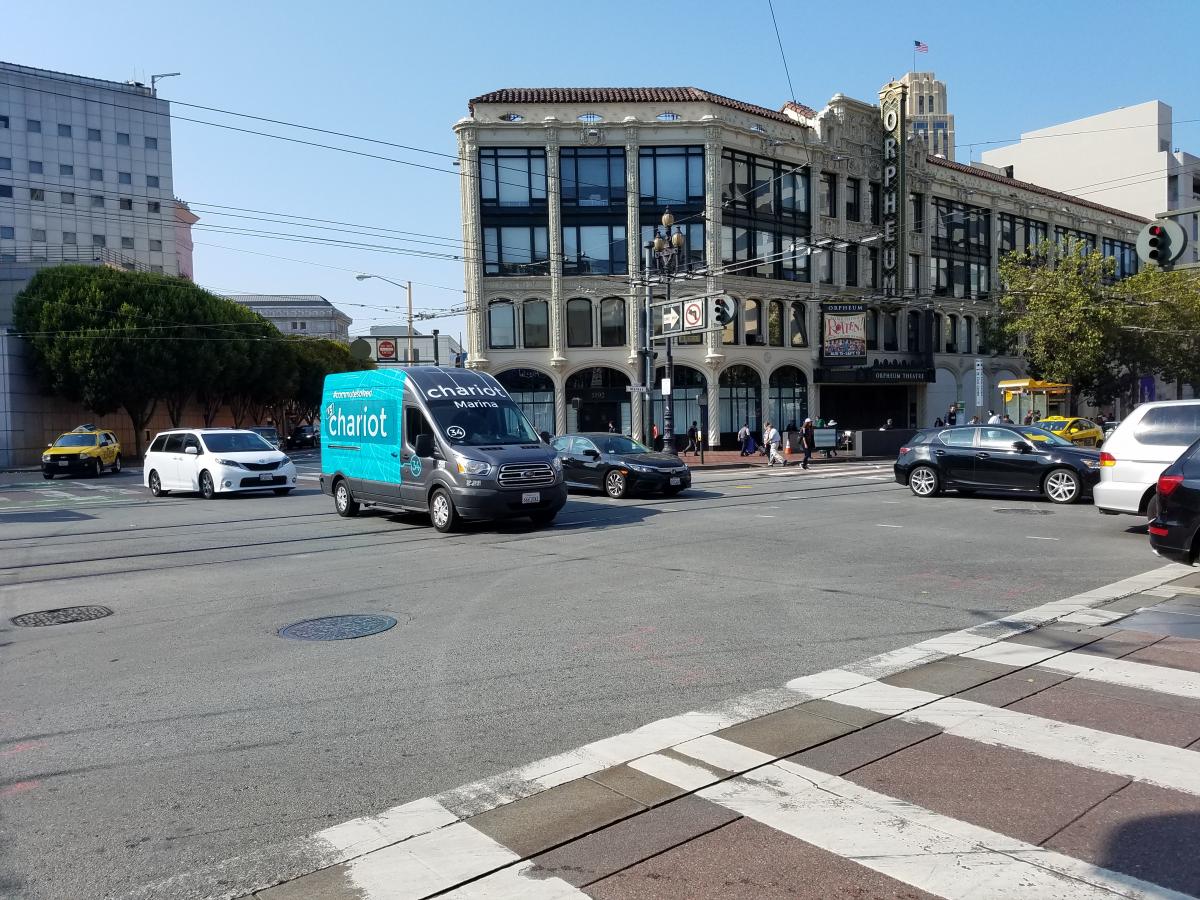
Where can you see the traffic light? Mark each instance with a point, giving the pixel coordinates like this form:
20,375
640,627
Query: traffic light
723,310
1159,243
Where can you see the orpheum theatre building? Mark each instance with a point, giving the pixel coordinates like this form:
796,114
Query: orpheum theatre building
861,271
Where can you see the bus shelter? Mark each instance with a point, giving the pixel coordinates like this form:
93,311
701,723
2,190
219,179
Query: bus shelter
1025,395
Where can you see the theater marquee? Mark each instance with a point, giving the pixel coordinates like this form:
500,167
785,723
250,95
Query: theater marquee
893,191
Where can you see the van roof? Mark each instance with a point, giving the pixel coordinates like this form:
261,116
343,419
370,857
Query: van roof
424,377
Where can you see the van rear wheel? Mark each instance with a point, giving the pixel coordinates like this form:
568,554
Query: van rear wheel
442,512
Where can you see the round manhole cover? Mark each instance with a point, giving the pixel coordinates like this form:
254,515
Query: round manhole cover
62,616
1023,510
336,628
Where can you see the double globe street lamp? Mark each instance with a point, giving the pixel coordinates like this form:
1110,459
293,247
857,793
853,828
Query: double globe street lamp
663,257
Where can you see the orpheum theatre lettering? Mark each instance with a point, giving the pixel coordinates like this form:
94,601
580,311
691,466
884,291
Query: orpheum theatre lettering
893,192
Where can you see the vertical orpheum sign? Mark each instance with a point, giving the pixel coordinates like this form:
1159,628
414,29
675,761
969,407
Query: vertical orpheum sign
893,189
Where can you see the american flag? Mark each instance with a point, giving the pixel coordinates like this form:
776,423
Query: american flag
920,47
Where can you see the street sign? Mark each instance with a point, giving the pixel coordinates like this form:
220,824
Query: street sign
693,314
636,389
385,349
979,382
665,387
671,318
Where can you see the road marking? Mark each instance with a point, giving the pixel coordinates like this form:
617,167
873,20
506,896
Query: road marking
765,517
359,836
674,771
724,754
1087,748
518,882
1164,680
881,525
936,853
1034,537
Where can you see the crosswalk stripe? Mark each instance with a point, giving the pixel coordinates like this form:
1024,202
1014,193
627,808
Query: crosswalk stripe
1088,748
936,853
517,883
1165,680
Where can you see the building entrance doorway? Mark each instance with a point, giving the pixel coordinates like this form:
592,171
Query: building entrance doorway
859,407
596,397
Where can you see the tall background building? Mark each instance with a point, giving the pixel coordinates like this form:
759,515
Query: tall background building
928,113
85,177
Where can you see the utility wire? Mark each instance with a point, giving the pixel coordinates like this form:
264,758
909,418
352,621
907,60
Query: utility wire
782,55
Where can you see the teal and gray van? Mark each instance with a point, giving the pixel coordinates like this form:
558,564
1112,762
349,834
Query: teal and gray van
449,442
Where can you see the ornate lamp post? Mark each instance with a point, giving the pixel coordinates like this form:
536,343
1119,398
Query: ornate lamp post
667,251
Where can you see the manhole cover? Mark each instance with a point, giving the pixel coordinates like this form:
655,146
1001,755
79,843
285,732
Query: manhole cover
336,628
62,616
1023,510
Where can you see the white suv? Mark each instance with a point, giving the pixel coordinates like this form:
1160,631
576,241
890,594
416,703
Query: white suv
1147,441
214,461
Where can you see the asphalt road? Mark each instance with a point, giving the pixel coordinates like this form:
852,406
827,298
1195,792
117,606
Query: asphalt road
182,730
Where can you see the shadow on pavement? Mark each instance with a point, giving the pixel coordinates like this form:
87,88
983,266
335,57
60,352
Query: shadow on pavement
48,515
1157,848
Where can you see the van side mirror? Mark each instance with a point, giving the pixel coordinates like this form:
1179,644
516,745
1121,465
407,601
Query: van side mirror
424,444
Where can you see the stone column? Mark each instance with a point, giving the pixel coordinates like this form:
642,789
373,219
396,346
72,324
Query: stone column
473,281
558,332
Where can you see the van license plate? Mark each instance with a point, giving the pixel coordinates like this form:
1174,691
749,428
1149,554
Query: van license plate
62,462
675,481
535,497
265,477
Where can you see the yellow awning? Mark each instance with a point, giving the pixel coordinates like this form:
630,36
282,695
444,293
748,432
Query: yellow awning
1029,384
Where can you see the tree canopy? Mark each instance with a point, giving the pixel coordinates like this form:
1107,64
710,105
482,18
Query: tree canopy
111,339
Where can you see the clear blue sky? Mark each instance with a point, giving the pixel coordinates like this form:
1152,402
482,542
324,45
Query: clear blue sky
403,71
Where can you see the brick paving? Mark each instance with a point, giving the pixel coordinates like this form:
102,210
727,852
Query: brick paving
828,797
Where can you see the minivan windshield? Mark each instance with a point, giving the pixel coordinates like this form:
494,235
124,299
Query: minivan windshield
235,442
480,423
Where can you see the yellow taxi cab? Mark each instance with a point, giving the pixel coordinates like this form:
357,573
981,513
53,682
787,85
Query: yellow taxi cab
88,450
1081,432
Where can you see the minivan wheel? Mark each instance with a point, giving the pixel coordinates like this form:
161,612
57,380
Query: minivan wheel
1061,486
156,488
615,484
207,489
923,481
441,511
343,501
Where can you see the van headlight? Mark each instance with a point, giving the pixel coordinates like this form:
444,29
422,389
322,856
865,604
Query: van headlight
473,467
556,464
232,463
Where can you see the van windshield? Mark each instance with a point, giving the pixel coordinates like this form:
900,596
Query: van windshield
479,423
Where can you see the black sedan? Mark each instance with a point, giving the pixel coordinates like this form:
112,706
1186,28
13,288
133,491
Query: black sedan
1175,531
618,465
998,458
303,436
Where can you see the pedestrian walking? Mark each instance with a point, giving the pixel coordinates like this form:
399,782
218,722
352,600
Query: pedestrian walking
743,436
693,435
1028,420
612,429
993,418
1007,419
655,443
831,451
952,415
808,442
772,439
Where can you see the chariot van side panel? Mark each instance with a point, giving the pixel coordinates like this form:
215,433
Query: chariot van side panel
361,422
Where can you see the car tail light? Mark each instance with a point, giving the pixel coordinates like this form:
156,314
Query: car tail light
903,450
1168,483
1107,459
1158,531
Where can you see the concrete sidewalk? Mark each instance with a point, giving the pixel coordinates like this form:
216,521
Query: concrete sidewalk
1049,754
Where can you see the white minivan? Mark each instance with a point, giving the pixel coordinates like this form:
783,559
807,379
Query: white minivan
211,461
1147,441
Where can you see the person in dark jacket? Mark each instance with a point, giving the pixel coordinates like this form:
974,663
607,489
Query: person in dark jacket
808,442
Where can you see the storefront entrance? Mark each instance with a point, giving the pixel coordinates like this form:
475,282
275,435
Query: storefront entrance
601,397
861,407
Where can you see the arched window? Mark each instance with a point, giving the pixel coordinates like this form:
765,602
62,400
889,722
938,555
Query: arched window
787,398
775,323
533,391
535,321
969,336
799,324
753,322
952,333
915,342
502,325
731,333
871,321
740,391
889,331
939,332
612,322
579,322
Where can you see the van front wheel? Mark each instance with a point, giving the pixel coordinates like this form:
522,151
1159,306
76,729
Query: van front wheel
441,511
343,501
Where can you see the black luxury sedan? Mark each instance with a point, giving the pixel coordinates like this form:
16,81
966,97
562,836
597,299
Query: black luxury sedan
997,458
1175,531
618,465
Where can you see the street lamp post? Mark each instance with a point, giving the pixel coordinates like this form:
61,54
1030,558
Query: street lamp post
407,288
667,250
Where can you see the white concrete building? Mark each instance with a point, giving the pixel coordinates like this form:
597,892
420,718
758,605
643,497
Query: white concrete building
928,113
389,346
1125,158
85,177
807,220
306,315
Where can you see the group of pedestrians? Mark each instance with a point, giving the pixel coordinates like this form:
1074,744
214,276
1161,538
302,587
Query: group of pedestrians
805,435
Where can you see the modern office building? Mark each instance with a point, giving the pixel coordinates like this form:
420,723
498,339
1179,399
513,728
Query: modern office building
307,315
1125,157
85,177
928,113
861,270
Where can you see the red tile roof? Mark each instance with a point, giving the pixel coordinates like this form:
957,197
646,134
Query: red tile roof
1035,188
632,95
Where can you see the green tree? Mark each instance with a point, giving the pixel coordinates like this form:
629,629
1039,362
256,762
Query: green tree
1171,321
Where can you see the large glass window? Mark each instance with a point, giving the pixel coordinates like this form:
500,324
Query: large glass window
1073,239
852,265
594,250
799,324
693,240
827,198
730,333
671,176
959,266
890,339
854,199
579,322
753,327
794,192
502,325
593,176
766,203
775,323
612,322
1125,254
535,322
787,397
515,250
512,176
741,399
533,392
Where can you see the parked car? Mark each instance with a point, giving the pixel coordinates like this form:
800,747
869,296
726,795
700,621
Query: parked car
619,465
1175,530
970,458
269,434
303,436
213,461
88,450
1147,441
1081,432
